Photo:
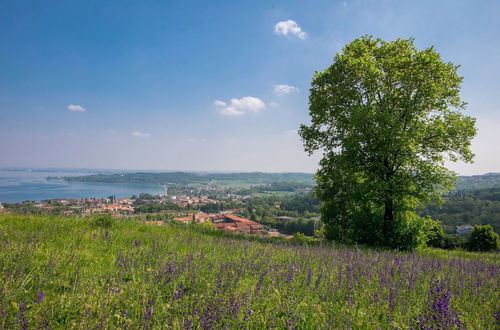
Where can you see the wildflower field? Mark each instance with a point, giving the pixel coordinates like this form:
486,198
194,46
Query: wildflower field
68,273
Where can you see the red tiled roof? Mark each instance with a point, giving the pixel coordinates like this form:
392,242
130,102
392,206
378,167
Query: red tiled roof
185,219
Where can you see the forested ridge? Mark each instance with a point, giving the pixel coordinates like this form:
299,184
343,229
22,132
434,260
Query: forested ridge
191,177
471,207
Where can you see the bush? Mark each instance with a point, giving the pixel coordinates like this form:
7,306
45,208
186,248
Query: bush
302,239
435,235
103,220
482,238
451,242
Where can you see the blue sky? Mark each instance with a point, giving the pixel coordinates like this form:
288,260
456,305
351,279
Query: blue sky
209,85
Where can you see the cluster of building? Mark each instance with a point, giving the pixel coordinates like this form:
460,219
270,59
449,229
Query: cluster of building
226,221
184,201
122,206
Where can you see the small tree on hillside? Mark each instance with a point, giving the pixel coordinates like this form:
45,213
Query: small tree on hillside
386,116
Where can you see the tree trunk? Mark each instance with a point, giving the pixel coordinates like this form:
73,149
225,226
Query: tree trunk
388,219
388,204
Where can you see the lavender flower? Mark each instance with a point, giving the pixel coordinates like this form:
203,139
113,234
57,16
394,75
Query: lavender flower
41,296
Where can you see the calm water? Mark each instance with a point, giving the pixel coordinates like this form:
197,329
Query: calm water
18,185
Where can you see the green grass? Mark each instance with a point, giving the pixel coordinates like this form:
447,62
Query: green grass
69,273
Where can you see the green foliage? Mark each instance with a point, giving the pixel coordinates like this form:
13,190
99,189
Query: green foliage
147,196
452,242
435,235
319,233
103,221
212,208
478,182
483,238
155,207
302,239
386,117
470,207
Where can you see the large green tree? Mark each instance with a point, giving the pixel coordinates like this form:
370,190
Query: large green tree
386,117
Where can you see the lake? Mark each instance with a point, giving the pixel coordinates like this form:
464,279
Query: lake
17,185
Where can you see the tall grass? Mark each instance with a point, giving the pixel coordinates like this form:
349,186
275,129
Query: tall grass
69,273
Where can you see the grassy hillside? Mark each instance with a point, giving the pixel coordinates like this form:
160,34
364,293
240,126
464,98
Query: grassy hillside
62,273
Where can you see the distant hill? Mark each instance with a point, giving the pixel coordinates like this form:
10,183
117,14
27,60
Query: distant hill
474,206
489,180
190,178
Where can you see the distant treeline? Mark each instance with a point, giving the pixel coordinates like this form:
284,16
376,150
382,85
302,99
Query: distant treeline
475,207
474,182
190,178
276,186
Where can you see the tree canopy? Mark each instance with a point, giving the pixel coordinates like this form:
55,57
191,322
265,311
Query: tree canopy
386,117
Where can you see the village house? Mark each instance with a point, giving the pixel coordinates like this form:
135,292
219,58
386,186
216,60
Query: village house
464,230
225,221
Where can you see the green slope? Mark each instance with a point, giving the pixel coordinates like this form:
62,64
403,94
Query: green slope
68,273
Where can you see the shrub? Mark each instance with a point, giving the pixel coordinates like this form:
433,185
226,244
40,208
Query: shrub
103,220
451,242
435,235
302,239
482,238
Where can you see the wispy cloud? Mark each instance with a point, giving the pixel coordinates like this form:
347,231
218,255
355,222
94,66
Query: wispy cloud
291,132
219,103
141,134
238,107
284,89
289,26
76,108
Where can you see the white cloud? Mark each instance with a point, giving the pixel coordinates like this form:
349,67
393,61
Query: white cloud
238,107
291,132
218,103
76,108
290,26
273,104
284,89
141,134
230,111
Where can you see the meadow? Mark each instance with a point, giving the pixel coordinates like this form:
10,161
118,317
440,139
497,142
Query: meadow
71,273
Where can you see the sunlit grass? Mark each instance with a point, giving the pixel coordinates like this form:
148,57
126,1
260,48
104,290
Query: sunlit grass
62,273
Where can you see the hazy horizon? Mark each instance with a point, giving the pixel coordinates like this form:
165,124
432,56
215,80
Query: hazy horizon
184,86
132,170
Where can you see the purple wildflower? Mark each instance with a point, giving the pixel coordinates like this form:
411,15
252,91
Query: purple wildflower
41,296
